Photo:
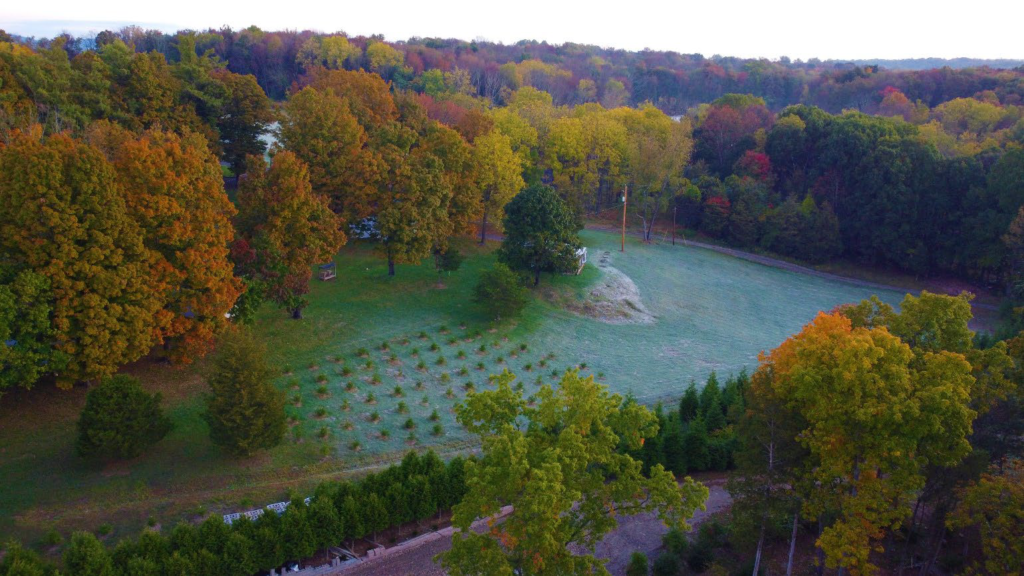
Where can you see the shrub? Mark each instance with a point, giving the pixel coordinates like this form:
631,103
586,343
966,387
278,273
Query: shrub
480,366
449,393
434,347
402,408
362,352
324,432
422,335
501,292
120,419
354,446
666,565
522,347
409,424
500,359
440,361
347,425
637,564
418,386
321,377
338,358
443,329
376,379
384,346
421,365
87,555
434,417
437,430
345,406
369,365
675,542
322,390
528,367
461,354
52,537
445,378
425,401
296,399
453,341
320,412
385,433
346,371
398,392
463,371
375,416
350,386
482,349
370,398
469,387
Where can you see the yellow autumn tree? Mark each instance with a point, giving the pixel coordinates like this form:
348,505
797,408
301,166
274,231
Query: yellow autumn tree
873,415
63,216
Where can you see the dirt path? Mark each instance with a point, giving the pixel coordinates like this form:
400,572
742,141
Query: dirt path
642,532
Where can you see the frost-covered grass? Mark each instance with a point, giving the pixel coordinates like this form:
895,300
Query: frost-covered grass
713,312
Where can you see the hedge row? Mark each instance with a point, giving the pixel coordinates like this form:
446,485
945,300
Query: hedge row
415,490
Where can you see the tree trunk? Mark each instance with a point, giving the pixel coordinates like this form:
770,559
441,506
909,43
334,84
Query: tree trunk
297,313
819,553
536,277
792,545
757,556
483,229
391,266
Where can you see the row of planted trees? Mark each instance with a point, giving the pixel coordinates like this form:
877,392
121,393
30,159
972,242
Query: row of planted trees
338,514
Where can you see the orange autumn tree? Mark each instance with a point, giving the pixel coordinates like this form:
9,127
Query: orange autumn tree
63,216
872,415
285,227
175,191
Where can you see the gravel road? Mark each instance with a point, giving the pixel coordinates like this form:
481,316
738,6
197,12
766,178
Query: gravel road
641,532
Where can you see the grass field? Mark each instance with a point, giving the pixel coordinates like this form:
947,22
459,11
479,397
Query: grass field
712,312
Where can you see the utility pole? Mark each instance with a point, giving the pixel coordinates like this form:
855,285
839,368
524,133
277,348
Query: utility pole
674,208
625,194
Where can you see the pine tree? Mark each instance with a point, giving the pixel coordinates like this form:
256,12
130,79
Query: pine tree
715,417
120,419
695,444
689,405
709,394
245,411
327,525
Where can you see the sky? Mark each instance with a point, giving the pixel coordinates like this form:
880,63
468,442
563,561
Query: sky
804,29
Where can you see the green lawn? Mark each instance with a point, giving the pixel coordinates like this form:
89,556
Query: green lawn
714,312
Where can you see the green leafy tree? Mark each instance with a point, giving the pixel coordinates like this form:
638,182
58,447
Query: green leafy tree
245,117
447,260
995,507
298,539
120,419
86,556
500,292
28,346
696,446
540,233
245,411
558,465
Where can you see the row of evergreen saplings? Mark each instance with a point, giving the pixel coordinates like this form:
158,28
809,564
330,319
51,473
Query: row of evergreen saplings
416,490
698,436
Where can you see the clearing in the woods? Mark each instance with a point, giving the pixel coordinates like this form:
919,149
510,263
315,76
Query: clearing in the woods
377,364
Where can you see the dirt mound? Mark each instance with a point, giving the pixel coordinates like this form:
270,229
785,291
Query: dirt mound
614,299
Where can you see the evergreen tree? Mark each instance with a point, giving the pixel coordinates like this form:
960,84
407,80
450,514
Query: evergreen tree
327,525
638,564
709,394
245,411
695,446
120,419
86,556
714,418
689,405
297,538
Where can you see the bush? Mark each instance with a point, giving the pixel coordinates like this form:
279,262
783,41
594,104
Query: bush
675,542
666,565
501,292
245,411
637,564
120,419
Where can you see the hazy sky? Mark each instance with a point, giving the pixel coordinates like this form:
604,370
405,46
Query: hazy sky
795,28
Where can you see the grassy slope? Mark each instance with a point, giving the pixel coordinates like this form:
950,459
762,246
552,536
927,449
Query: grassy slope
714,312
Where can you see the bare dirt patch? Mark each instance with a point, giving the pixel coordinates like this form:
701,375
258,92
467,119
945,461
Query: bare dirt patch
614,298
